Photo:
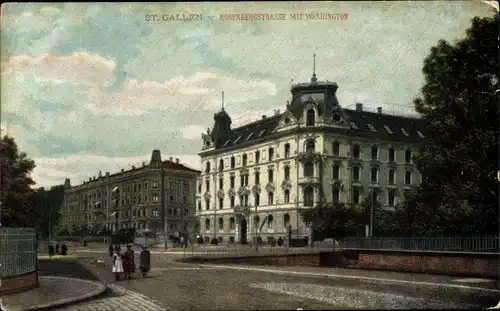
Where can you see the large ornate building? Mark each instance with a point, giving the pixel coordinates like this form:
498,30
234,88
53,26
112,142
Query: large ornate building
257,177
159,196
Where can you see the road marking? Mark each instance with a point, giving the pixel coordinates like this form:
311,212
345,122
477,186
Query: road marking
355,277
353,298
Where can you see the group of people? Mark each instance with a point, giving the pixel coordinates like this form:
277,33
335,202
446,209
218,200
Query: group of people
52,252
124,263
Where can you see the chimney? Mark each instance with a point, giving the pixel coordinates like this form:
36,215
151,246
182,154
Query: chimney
177,160
123,170
171,159
143,164
90,178
276,112
67,183
264,117
359,107
133,167
379,110
107,174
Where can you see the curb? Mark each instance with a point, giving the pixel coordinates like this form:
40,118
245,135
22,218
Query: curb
101,289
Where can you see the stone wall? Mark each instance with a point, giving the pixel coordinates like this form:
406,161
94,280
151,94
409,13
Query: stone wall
19,283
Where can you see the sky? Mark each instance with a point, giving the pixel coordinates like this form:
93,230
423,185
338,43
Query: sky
88,87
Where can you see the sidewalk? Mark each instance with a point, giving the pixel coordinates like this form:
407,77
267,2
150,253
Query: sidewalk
53,291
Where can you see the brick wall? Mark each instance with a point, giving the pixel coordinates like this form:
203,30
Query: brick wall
468,265
18,284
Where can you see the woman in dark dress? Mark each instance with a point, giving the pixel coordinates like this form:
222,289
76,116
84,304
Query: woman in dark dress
145,264
129,262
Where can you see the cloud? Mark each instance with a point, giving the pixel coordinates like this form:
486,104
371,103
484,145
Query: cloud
193,132
201,91
78,68
79,168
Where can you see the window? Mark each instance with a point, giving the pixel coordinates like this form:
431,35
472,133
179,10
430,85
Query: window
170,211
310,146
270,175
408,178
287,173
171,198
221,165
207,168
374,153
391,198
270,222
356,152
250,136
155,198
271,154
392,174
245,158
237,139
221,224
245,200
221,183
257,199
156,213
245,180
207,185
199,187
233,162
310,117
257,178
287,196
256,221
225,144
286,220
262,133
335,195
308,196
221,203
231,199
408,156
232,223
207,224
335,148
155,184
231,182
355,173
336,172
257,156
374,175
242,180
270,198
392,154
309,169
355,196
287,150
186,212
199,206
207,204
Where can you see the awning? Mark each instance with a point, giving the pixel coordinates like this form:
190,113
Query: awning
113,214
114,189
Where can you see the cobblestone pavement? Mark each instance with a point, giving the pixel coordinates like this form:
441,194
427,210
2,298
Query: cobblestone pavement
118,299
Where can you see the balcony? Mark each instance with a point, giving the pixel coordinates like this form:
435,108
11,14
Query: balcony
244,190
309,180
309,156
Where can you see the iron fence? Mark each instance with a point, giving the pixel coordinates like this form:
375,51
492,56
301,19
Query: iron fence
18,251
473,244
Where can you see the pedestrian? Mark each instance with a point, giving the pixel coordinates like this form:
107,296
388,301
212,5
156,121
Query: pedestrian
51,250
145,264
64,250
129,262
57,248
84,243
117,264
110,250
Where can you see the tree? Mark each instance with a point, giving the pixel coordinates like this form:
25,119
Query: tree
459,193
16,195
333,220
384,222
48,209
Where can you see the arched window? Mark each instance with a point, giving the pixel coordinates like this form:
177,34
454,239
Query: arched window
374,153
287,150
287,196
310,146
233,162
286,220
221,165
392,154
270,222
221,224
256,221
207,224
310,117
245,158
232,223
356,152
408,156
336,172
335,148
392,177
287,173
309,169
308,196
335,195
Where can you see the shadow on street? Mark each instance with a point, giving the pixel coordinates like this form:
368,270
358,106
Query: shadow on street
64,267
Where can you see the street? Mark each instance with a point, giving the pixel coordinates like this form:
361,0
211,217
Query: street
182,286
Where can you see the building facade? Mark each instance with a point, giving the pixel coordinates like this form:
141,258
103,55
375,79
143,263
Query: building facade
256,178
159,196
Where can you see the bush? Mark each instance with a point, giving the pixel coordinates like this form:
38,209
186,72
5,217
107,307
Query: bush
231,240
200,240
214,241
271,241
280,241
221,239
206,240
